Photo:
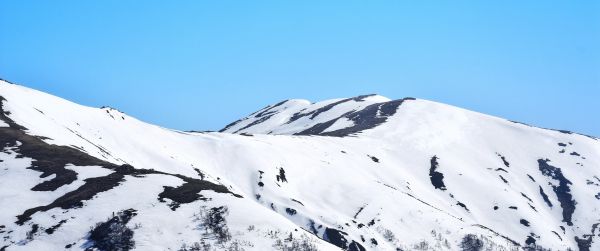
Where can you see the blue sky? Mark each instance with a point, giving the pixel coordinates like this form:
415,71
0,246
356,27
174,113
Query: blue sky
202,64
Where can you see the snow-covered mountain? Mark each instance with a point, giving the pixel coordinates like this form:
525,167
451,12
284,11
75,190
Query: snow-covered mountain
364,173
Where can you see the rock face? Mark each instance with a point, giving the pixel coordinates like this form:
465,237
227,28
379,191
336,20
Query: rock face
362,173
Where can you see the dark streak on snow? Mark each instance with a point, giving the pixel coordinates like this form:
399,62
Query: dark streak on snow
256,122
412,196
229,125
323,109
374,159
52,229
557,235
526,197
498,234
532,207
199,173
462,205
359,210
388,185
563,192
297,201
258,114
545,197
437,178
504,161
367,118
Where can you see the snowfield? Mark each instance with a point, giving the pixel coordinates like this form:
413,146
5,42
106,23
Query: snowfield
363,173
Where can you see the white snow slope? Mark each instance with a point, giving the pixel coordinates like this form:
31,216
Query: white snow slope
364,173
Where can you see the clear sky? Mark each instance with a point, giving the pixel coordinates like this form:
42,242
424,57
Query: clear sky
198,65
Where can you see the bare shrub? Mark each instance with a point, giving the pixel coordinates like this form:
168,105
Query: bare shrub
214,223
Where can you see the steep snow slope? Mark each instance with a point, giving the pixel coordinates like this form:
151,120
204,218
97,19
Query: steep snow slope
406,174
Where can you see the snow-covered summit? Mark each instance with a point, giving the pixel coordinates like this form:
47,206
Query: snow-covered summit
405,174
335,117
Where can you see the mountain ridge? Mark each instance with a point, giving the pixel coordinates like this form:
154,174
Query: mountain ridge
259,114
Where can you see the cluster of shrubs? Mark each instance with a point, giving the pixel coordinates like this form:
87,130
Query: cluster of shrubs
204,246
213,222
113,234
303,243
471,242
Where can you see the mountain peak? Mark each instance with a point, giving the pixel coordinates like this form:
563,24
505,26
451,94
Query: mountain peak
334,117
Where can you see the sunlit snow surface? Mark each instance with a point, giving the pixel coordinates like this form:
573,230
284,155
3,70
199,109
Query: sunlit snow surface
371,187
